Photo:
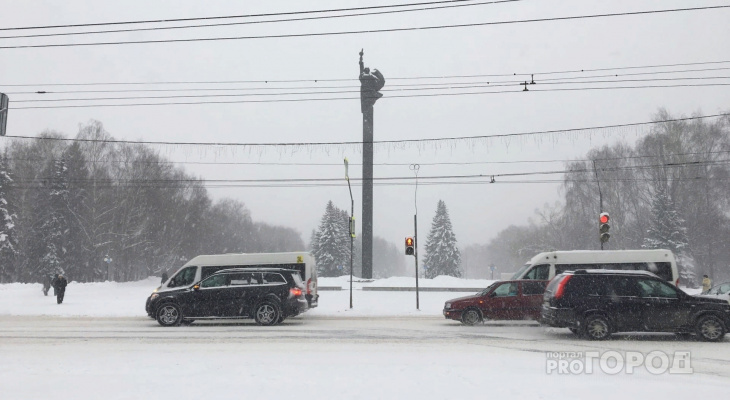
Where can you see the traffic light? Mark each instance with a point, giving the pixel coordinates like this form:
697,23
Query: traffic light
409,246
603,227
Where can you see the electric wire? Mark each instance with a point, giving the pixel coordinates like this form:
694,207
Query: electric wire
368,31
283,144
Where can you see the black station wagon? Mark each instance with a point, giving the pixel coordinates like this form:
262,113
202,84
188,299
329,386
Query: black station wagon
594,304
268,295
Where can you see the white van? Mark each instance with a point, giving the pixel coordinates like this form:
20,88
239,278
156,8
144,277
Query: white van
203,266
545,266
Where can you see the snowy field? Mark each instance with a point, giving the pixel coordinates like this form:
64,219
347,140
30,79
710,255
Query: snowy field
99,344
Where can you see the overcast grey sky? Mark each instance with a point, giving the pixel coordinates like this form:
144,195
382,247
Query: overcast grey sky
478,212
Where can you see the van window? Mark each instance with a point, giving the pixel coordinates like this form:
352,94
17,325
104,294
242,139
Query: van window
539,272
560,268
208,271
520,272
215,281
183,278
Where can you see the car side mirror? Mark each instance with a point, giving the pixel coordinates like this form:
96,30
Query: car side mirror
493,294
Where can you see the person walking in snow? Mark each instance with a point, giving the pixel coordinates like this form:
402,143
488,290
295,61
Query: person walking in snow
164,278
46,284
59,285
706,283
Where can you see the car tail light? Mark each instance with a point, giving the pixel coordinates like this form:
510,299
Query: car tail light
677,283
560,291
295,291
309,286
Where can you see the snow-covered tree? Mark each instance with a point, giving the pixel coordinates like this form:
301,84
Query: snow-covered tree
442,254
667,231
331,242
8,238
54,229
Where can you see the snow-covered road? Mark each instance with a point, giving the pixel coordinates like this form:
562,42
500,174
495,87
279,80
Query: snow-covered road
317,357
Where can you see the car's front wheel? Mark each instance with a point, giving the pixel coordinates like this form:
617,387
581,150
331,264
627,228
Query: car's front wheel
169,315
596,327
710,328
471,317
267,313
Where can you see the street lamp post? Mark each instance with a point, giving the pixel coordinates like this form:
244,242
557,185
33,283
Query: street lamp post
415,168
108,260
352,223
492,268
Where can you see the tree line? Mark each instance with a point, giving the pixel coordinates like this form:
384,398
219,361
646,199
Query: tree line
669,190
67,206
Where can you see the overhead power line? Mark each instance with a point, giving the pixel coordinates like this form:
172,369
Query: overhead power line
283,144
160,28
421,87
353,32
447,178
168,20
296,100
384,164
228,89
537,73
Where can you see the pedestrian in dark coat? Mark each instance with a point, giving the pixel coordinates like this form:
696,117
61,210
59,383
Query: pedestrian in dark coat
164,278
60,285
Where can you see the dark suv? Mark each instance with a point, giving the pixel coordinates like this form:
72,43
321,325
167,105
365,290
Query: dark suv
269,295
596,303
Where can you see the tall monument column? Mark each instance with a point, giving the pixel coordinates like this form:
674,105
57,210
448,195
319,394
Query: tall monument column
370,85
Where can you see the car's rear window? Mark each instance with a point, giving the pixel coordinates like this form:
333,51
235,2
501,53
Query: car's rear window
554,283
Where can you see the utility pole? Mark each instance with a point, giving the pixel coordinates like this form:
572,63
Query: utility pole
351,224
415,168
4,101
370,85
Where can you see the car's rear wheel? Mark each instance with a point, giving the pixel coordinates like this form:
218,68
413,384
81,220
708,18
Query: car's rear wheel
169,315
267,313
471,317
596,327
710,328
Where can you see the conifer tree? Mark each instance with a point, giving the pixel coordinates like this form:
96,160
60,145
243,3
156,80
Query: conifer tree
8,238
442,254
667,231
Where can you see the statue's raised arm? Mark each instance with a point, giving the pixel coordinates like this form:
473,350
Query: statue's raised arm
362,64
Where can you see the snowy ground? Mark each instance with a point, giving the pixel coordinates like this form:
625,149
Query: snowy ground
99,344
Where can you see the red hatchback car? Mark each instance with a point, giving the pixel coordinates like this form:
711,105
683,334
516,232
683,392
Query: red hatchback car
504,300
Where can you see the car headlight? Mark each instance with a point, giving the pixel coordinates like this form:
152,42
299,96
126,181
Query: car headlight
154,296
448,305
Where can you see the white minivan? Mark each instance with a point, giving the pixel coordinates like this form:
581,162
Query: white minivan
203,266
545,266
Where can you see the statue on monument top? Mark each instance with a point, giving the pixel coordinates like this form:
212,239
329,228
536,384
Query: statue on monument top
370,84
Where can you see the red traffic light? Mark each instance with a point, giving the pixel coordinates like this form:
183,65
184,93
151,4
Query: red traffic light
603,218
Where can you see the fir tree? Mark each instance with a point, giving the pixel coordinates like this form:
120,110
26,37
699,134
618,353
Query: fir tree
331,243
442,255
55,227
8,238
667,231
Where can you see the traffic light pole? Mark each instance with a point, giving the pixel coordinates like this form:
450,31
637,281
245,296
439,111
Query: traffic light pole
415,253
600,196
